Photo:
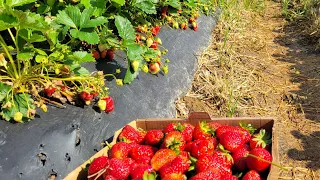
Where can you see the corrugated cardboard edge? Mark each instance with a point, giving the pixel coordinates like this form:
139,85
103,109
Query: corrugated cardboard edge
193,118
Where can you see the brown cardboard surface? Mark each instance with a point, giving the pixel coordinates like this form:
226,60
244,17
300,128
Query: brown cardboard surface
148,124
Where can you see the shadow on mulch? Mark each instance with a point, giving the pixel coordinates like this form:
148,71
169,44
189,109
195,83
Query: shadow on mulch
305,70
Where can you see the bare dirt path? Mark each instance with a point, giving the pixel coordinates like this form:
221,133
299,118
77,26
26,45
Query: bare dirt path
265,66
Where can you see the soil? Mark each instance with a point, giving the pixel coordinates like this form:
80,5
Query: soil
289,77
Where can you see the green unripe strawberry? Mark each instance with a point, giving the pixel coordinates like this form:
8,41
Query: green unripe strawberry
158,40
102,104
135,65
175,25
145,68
18,117
149,42
143,38
165,69
102,47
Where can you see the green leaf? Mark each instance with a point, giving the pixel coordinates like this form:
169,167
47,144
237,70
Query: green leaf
119,2
41,59
31,36
130,75
95,22
146,6
14,3
25,55
21,103
28,20
81,57
81,71
70,16
134,51
88,35
7,21
85,16
125,28
4,88
174,3
40,51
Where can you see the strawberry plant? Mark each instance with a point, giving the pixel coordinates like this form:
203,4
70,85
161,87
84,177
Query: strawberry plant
45,43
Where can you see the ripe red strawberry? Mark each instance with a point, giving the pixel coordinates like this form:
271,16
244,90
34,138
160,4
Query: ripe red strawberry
118,168
252,175
209,174
175,176
132,163
154,137
203,146
109,105
180,164
194,26
239,157
120,150
139,170
162,157
183,26
141,151
154,45
244,130
224,158
186,129
95,54
254,163
129,134
231,141
164,11
206,162
155,30
202,131
261,140
174,140
103,54
97,165
109,177
85,96
110,54
229,177
49,90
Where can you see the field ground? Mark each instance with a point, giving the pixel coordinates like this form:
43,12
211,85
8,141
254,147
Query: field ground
259,64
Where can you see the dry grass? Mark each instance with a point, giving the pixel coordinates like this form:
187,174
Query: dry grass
240,74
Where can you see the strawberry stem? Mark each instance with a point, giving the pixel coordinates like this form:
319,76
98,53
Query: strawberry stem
274,164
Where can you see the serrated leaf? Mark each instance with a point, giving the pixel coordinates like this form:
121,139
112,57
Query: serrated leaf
146,6
174,3
28,20
25,55
85,16
4,89
14,3
81,57
125,28
95,22
70,16
21,103
7,21
31,37
119,2
134,51
88,35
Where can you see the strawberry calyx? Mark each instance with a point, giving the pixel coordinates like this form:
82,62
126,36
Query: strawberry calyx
206,128
149,176
263,138
247,127
225,153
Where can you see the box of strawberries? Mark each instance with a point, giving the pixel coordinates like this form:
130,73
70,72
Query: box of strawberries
195,148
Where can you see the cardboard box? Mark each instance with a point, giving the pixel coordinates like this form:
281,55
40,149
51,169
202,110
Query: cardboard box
194,118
